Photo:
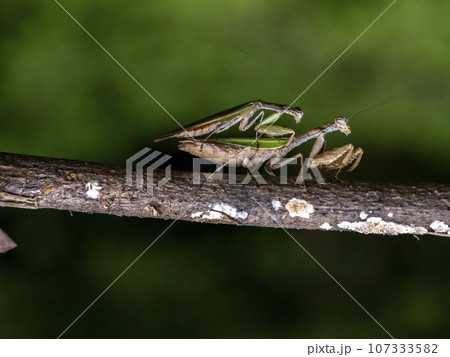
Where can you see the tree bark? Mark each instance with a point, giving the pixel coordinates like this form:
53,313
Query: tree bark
38,182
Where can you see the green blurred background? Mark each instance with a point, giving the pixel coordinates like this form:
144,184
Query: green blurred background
62,96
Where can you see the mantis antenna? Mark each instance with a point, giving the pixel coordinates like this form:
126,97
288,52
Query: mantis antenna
364,109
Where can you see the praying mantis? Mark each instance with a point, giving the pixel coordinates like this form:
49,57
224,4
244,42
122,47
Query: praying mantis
241,114
248,152
278,141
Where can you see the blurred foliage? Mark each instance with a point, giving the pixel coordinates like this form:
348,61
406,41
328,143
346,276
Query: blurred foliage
62,96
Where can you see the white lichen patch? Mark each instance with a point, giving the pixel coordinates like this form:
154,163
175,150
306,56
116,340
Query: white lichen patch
326,226
220,212
196,214
376,225
390,215
440,227
299,208
213,215
363,215
93,190
276,205
229,211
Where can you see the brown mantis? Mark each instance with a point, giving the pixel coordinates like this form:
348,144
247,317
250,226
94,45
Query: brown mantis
245,152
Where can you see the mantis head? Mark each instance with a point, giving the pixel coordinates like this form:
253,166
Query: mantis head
297,114
342,125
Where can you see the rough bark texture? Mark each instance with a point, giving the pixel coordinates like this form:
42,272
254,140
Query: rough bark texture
38,182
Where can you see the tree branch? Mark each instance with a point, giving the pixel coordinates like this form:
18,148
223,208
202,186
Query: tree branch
6,243
38,182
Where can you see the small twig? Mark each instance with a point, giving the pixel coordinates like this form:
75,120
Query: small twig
6,243
78,186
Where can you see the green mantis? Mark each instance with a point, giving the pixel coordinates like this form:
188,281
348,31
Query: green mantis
243,114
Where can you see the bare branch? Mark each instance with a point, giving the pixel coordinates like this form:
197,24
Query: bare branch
6,243
38,182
